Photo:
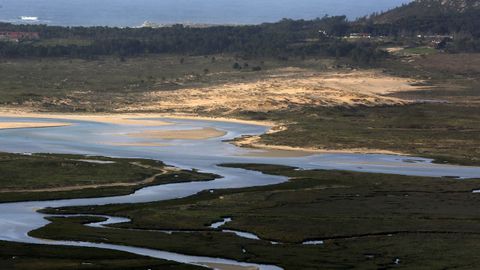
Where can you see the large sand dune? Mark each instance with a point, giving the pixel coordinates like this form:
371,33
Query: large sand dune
284,88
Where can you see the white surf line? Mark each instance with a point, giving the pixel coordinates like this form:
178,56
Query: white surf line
203,261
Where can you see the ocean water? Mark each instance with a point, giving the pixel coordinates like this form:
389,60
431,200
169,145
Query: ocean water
124,13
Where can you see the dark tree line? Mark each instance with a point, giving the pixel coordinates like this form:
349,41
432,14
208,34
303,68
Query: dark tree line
463,26
284,39
443,24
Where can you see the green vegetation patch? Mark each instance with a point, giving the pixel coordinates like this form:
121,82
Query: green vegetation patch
52,42
53,176
16,256
443,125
366,220
445,132
418,51
40,171
102,84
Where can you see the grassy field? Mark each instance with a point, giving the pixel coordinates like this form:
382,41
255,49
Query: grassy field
51,171
16,256
418,51
445,132
367,221
107,83
52,42
453,77
64,176
445,127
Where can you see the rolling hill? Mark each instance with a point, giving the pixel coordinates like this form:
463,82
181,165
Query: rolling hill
428,9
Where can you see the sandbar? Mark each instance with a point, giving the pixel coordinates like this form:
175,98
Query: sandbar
144,119
120,119
18,125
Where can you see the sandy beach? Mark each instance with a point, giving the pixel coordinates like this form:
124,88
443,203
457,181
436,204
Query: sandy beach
151,119
143,119
119,119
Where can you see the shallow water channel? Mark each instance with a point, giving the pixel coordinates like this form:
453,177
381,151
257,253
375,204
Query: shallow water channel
93,138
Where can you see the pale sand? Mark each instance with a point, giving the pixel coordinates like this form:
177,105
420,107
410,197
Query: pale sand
17,125
120,119
221,266
282,90
394,49
147,119
191,134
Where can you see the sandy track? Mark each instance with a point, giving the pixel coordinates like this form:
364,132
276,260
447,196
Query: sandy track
146,181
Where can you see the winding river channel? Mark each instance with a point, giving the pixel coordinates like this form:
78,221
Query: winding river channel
95,138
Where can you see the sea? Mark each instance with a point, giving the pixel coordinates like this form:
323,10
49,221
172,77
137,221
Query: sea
131,13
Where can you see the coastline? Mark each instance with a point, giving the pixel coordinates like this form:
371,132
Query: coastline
108,118
149,119
252,142
126,118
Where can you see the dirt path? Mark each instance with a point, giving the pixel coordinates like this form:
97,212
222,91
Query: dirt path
146,181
